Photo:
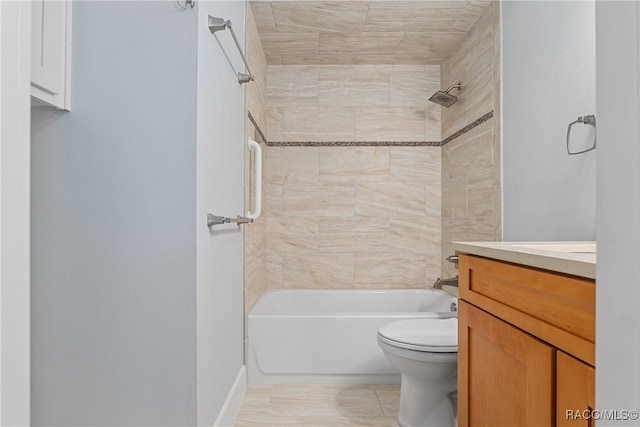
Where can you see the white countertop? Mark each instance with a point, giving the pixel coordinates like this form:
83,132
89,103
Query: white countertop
576,258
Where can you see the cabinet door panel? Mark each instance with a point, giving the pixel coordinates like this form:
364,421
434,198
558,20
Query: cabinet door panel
505,376
51,53
48,51
576,392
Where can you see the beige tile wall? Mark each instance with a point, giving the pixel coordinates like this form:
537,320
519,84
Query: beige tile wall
353,217
471,191
353,103
377,217
255,255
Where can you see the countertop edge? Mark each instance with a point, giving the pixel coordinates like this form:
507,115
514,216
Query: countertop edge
561,263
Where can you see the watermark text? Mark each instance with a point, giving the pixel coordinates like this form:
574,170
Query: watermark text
602,414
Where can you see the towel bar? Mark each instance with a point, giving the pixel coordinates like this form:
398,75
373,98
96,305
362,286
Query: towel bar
218,24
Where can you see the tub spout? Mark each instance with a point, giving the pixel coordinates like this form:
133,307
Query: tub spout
446,282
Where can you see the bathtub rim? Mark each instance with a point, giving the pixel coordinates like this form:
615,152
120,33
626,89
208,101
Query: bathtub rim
259,311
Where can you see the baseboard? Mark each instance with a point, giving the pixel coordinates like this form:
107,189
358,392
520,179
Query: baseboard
233,402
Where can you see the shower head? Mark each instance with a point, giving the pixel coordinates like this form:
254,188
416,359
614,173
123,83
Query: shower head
444,98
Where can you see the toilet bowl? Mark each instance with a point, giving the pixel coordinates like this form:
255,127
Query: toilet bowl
425,351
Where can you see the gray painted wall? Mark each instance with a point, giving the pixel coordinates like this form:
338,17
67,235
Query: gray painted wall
220,190
618,277
548,81
113,224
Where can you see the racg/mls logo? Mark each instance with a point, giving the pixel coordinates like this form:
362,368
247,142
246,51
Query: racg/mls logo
604,414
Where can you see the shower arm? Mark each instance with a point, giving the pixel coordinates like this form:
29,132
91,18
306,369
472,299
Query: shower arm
456,86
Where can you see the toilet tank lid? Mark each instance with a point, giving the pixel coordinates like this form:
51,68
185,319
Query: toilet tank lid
423,332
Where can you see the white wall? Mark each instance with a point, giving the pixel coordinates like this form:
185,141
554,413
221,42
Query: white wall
15,18
220,190
114,224
548,81
618,277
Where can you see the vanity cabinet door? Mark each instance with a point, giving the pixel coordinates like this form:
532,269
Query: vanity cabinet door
505,376
575,393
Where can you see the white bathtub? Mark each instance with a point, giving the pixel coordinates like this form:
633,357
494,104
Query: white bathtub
318,336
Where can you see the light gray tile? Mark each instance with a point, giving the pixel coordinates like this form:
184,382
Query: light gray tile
473,150
390,199
480,87
368,421
353,235
389,271
389,396
353,164
470,229
292,165
275,124
375,59
321,271
473,11
353,88
481,191
317,59
292,235
415,164
432,46
263,16
454,197
362,43
311,16
275,265
413,89
278,44
324,124
433,197
289,88
416,235
413,16
274,59
261,419
389,124
273,196
337,400
319,200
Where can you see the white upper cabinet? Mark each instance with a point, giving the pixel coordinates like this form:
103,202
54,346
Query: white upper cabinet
51,53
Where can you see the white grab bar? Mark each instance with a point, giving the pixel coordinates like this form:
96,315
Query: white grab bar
257,183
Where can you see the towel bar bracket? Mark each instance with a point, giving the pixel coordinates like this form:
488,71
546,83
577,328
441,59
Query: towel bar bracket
218,220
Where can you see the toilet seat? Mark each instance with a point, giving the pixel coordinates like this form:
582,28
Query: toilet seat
427,335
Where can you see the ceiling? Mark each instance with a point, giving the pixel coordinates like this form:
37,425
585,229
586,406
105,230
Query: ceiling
363,32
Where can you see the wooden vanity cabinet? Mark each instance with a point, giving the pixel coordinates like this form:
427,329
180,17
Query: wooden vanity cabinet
507,378
575,391
526,345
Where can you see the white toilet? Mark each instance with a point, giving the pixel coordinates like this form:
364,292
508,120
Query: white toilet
425,351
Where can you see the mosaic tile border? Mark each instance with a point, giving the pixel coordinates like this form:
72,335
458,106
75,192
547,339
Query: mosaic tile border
467,128
261,137
353,143
445,141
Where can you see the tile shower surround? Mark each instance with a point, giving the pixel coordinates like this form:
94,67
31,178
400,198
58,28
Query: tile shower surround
302,229
337,106
445,141
471,176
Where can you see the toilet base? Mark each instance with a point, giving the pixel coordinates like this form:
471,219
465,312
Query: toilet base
426,404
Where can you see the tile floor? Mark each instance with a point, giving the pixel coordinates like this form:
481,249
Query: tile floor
320,405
